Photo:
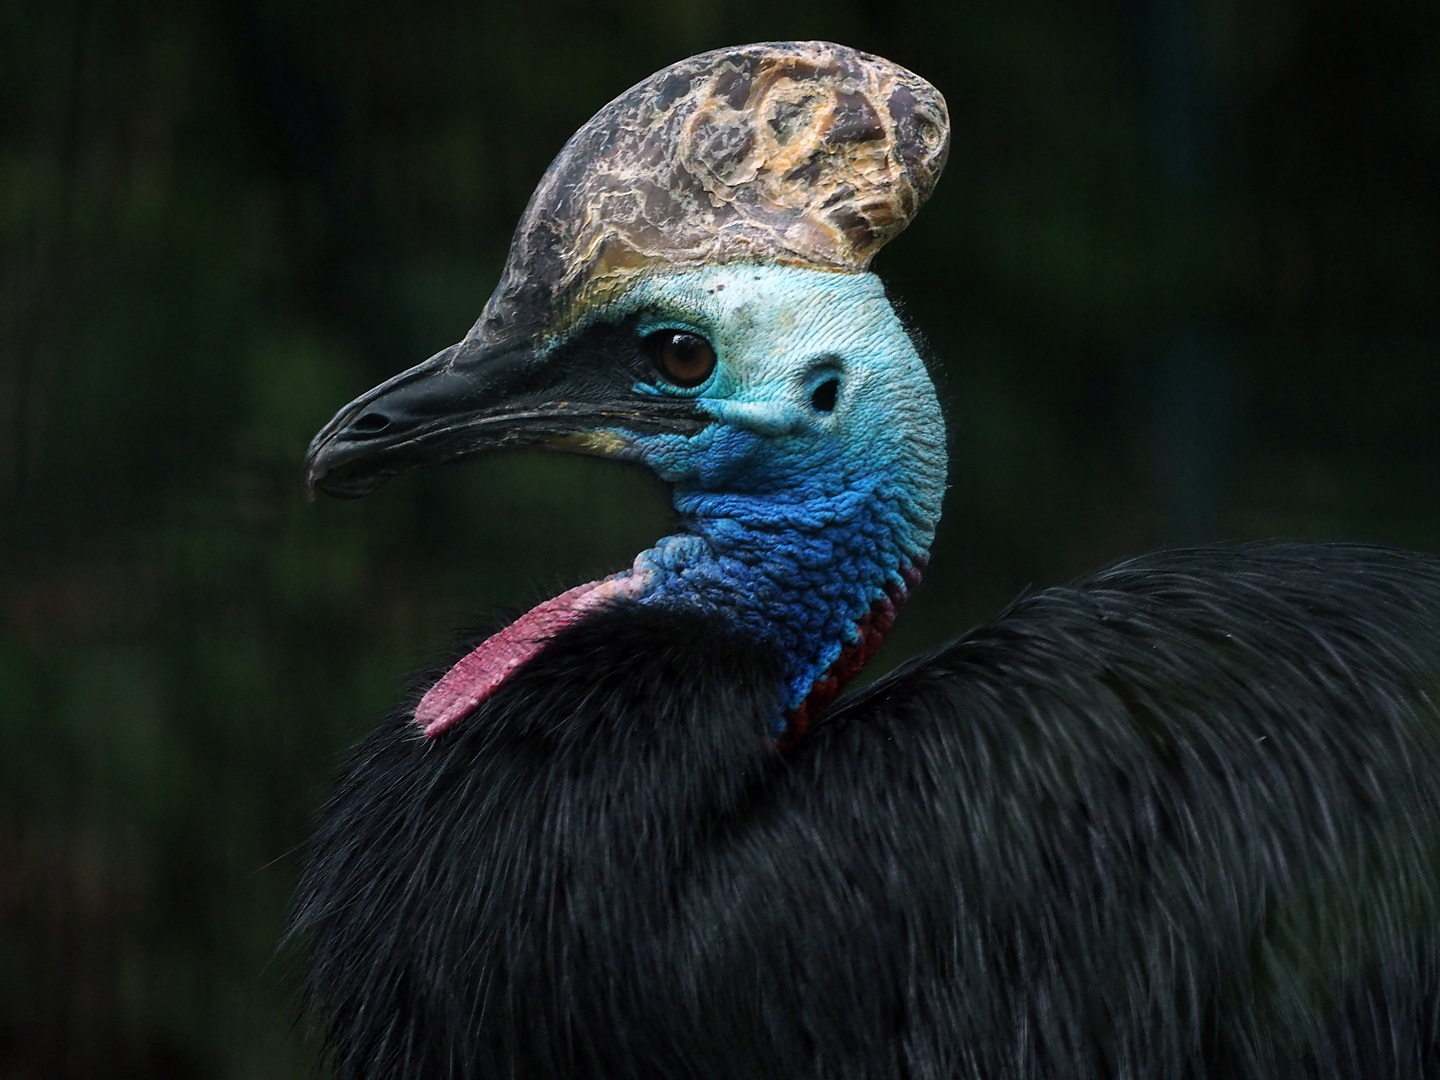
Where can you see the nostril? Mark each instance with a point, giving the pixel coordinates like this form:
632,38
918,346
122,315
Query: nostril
370,423
824,396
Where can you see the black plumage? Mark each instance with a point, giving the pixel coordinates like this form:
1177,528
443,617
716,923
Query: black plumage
1177,819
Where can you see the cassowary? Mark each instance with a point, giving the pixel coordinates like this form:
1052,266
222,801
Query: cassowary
1176,819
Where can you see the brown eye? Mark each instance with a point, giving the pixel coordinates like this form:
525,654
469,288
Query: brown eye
685,359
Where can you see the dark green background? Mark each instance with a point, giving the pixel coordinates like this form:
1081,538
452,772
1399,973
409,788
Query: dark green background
1182,278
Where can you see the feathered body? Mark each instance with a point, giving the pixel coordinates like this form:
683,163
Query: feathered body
1177,819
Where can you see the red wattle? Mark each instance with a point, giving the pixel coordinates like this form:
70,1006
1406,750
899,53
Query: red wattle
479,674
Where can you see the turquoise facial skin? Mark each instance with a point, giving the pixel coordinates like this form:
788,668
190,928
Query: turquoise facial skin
804,505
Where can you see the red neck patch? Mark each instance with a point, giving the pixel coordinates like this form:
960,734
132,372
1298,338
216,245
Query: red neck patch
482,671
872,628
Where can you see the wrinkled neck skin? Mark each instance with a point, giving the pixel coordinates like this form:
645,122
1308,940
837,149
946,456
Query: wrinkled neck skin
800,526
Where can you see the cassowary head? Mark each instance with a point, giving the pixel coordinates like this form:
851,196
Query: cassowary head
688,288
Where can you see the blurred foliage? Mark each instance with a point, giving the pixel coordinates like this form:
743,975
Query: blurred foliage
1180,281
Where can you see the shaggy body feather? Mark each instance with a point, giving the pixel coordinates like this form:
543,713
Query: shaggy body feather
1177,819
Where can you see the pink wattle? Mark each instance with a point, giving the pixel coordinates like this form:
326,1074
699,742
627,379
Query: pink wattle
480,673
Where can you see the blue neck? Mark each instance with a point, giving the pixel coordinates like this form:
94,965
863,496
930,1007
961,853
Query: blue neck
803,525
817,569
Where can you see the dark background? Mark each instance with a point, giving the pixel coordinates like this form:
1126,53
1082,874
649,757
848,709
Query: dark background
1182,277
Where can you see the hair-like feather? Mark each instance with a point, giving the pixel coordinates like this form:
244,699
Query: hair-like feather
1177,819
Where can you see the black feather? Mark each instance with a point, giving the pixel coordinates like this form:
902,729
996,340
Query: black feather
1177,819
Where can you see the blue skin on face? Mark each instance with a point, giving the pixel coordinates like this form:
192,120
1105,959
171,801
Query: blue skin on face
798,511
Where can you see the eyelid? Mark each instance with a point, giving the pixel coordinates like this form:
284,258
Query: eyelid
821,368
649,324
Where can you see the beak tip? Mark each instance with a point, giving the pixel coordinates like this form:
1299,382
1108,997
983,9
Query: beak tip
335,479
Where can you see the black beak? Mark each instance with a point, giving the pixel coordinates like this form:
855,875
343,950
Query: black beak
476,396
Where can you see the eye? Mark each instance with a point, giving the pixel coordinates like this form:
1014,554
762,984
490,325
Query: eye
685,359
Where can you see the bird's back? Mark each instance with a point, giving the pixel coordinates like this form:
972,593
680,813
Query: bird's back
1186,814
